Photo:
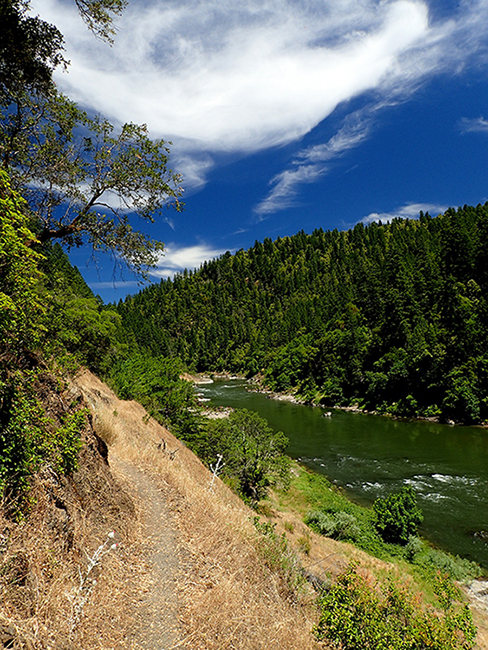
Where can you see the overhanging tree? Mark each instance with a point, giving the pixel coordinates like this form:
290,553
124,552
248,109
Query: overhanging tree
82,179
30,49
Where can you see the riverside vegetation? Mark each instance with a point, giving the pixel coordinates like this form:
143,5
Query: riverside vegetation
391,317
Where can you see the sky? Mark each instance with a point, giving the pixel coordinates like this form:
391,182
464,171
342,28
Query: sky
288,115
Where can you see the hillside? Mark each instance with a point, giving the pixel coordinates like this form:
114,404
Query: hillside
113,533
222,591
391,316
190,570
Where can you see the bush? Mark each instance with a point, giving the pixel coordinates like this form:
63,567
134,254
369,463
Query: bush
413,547
358,616
278,556
397,516
30,440
253,453
455,567
155,383
338,525
21,308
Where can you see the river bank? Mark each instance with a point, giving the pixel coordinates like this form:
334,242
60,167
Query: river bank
353,408
311,492
255,384
371,457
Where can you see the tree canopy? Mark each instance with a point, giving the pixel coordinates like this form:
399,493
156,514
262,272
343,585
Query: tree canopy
252,452
398,516
30,49
99,16
83,180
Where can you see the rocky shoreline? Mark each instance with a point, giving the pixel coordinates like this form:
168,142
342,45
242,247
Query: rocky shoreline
255,385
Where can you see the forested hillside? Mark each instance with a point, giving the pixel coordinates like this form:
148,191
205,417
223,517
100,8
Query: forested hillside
392,316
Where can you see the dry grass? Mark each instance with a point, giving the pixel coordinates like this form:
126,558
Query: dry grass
40,569
228,597
41,558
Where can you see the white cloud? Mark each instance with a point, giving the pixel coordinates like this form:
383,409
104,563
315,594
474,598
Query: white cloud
227,76
408,211
177,259
194,168
285,187
311,163
445,46
476,125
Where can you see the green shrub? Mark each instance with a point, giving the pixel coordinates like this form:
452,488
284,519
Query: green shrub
69,443
278,556
21,308
30,440
413,547
338,525
398,516
253,453
355,615
432,559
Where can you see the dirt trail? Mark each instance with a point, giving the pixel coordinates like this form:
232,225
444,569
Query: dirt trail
154,622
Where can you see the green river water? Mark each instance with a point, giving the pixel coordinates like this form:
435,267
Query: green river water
371,456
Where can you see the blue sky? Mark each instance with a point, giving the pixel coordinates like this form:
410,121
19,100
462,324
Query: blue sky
289,114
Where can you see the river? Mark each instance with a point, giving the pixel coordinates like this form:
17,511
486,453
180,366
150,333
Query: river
371,456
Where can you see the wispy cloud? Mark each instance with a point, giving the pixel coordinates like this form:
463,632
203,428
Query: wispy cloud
312,162
285,184
474,125
444,46
221,76
176,259
408,211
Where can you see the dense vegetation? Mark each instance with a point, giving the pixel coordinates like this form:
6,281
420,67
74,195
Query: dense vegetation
29,438
398,516
57,167
392,316
356,616
253,454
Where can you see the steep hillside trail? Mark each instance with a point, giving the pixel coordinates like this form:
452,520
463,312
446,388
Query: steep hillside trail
202,581
156,625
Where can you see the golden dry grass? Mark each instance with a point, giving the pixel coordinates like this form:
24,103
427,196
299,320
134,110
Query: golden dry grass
40,571
228,597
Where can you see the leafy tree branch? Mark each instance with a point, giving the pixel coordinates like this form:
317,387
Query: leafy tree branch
82,179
